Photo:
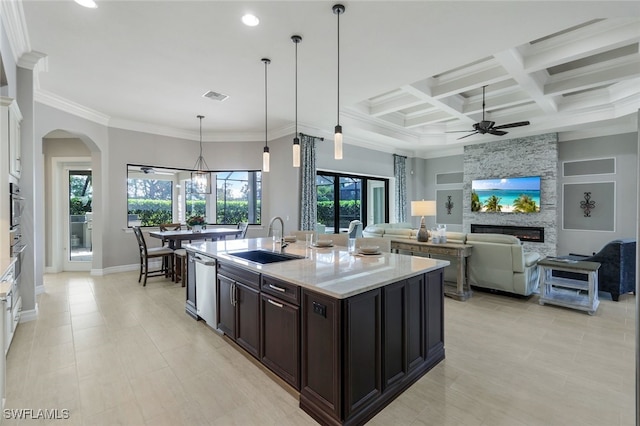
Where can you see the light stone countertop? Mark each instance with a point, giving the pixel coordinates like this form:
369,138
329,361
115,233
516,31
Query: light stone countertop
5,264
332,271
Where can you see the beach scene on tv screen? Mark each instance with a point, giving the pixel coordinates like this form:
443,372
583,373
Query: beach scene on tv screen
506,195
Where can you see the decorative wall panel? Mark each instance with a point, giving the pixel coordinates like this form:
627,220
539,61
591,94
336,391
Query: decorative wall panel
598,166
589,206
449,206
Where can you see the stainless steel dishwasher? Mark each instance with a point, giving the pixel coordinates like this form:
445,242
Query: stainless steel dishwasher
206,289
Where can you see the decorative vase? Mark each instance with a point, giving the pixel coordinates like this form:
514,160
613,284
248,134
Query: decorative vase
196,228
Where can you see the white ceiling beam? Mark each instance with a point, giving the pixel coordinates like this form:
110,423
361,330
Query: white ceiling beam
531,83
400,102
587,41
452,105
569,83
435,117
470,82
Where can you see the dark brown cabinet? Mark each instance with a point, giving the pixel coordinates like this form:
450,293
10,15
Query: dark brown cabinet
238,306
280,348
360,353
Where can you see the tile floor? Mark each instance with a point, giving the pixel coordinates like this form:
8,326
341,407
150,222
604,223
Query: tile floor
114,353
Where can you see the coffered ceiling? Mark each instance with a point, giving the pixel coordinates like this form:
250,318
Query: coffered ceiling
411,73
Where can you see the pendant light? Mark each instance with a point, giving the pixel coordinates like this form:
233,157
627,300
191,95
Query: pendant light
201,176
265,153
296,141
338,9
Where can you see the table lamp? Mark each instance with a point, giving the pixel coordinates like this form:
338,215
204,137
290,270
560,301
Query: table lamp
423,208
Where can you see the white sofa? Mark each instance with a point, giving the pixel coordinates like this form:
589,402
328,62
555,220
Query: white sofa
499,262
390,230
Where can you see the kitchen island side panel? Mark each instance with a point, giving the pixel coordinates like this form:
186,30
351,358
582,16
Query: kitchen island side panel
350,380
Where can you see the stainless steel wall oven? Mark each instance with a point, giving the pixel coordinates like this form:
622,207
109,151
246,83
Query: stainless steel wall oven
16,204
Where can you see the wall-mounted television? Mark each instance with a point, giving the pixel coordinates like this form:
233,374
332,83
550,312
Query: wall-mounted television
506,195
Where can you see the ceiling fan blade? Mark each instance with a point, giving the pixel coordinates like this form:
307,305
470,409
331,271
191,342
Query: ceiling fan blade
460,131
497,132
475,133
507,126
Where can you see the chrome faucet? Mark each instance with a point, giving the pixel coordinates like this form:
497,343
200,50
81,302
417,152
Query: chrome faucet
270,231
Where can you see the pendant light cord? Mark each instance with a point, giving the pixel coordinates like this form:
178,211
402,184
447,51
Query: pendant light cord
266,62
200,117
296,102
338,101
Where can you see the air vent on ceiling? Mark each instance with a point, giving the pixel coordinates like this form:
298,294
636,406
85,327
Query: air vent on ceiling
215,96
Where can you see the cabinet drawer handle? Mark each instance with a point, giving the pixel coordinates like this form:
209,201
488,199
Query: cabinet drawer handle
279,305
277,288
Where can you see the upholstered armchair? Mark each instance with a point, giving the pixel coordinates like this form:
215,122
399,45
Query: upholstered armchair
617,273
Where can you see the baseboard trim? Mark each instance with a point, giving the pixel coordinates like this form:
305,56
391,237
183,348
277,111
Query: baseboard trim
30,315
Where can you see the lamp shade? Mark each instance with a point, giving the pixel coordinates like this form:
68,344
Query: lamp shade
423,208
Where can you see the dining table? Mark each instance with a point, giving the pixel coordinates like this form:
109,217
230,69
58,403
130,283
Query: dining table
175,238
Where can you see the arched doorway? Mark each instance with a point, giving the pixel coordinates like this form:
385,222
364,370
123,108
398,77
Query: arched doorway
69,201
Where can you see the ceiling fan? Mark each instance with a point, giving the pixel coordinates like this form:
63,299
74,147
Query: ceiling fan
486,126
150,170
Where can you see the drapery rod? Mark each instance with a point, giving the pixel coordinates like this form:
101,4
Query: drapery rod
401,156
302,134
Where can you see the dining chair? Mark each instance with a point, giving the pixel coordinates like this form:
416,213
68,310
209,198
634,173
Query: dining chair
165,242
383,243
301,235
180,271
242,226
341,239
165,253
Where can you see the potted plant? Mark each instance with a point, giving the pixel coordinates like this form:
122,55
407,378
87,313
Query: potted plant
196,222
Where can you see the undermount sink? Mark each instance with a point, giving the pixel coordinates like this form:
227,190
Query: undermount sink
264,256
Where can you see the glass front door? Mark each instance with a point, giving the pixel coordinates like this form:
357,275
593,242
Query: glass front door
80,223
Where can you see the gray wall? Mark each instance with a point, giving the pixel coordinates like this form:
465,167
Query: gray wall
624,148
112,149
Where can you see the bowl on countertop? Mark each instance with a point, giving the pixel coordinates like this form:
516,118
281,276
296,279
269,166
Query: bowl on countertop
324,243
289,238
369,249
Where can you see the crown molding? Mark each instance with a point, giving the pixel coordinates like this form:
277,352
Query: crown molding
60,103
15,25
34,60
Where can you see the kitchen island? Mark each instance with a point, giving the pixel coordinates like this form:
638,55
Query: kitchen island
349,332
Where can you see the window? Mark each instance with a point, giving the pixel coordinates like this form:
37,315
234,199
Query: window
158,195
238,197
361,198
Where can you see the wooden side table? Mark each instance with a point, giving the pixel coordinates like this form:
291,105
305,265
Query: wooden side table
568,292
460,290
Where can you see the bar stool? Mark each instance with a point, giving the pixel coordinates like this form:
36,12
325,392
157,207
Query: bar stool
180,262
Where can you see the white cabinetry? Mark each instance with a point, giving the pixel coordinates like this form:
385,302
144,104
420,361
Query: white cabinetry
11,119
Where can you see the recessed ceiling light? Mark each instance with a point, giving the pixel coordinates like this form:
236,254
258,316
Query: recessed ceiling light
87,3
248,19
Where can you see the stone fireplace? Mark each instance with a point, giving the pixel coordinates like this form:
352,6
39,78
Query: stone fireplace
529,156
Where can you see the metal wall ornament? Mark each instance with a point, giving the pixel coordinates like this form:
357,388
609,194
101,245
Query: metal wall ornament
448,204
587,205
